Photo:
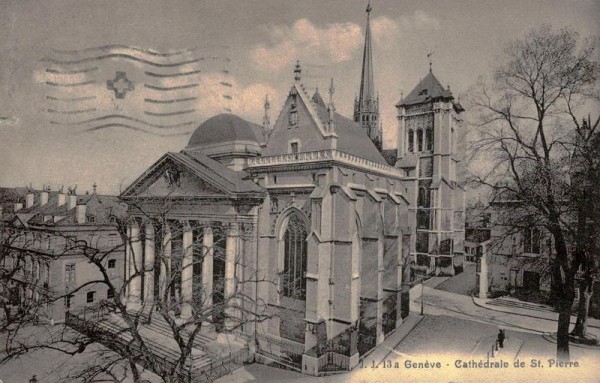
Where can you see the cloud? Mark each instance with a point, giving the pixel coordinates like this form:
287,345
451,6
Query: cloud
9,121
245,101
386,30
335,43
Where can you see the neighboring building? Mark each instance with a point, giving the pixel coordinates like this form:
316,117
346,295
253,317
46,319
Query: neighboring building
518,260
477,230
44,236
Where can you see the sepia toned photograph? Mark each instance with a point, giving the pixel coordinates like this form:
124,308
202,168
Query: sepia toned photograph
303,191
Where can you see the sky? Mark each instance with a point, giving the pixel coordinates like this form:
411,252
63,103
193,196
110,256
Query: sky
242,51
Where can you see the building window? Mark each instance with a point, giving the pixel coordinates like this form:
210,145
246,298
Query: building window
68,301
293,117
423,219
91,218
420,139
112,240
69,274
112,263
429,139
90,296
531,240
112,219
423,200
294,280
294,147
34,271
411,140
422,242
110,294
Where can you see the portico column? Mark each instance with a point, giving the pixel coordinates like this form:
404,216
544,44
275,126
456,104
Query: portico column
207,269
149,262
164,277
230,258
127,265
187,271
135,264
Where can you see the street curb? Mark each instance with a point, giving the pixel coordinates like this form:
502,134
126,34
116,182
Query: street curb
422,317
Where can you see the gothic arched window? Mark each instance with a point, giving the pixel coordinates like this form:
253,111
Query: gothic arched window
423,197
420,139
294,267
411,140
429,139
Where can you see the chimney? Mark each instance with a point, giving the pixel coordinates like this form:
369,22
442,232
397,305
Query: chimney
18,206
29,199
61,198
44,196
80,213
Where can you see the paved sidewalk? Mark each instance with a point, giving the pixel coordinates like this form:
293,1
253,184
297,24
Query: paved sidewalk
381,352
526,309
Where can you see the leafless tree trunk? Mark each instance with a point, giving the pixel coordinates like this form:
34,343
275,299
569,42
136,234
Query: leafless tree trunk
524,143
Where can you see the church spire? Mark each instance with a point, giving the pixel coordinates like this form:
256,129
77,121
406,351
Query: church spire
366,107
366,80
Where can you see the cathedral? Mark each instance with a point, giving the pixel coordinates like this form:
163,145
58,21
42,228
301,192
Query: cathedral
305,223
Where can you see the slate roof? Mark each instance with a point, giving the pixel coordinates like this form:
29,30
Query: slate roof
408,161
99,206
390,156
351,138
427,90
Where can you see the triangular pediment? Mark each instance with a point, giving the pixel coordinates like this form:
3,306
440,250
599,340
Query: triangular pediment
169,177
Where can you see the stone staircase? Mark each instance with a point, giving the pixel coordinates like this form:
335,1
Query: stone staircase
155,322
515,303
112,331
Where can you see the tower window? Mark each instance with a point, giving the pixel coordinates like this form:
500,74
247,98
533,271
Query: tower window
420,139
429,139
411,140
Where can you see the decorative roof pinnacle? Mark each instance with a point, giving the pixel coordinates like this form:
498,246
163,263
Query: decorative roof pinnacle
297,71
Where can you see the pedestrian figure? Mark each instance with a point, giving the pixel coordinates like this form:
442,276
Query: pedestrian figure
501,337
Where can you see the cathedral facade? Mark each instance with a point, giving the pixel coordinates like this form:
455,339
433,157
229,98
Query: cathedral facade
301,236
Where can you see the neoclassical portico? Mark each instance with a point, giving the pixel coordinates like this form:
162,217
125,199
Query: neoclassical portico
151,269
184,244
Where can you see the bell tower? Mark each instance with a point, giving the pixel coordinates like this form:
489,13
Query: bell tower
366,106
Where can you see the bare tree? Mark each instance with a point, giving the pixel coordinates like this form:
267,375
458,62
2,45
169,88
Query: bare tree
123,327
526,132
586,195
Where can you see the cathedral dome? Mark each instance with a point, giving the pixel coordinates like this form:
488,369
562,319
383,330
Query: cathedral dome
220,129
226,138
